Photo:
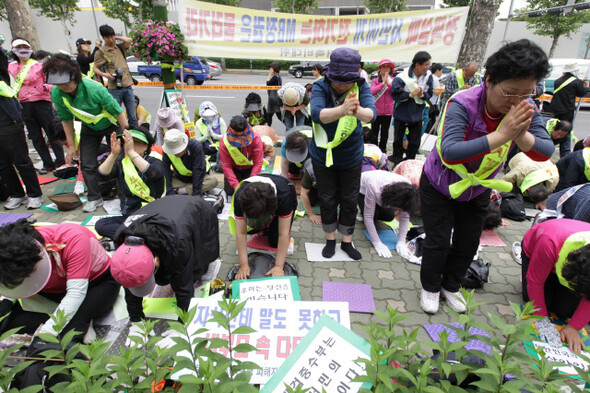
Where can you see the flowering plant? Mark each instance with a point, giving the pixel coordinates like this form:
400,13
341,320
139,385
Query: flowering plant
153,41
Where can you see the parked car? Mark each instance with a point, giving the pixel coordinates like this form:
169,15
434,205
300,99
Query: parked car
299,70
133,62
214,67
194,72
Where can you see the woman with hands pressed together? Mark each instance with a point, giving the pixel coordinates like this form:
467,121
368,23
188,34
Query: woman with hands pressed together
139,173
339,103
477,129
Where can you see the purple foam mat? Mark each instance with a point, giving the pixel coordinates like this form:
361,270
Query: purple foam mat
434,330
359,296
9,218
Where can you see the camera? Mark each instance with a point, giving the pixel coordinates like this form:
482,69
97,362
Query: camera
118,75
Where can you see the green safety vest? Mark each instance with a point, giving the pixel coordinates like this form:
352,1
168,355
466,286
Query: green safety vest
586,155
564,84
346,126
91,73
236,154
572,243
89,118
231,219
460,79
136,185
179,165
5,90
538,176
491,161
203,130
20,77
550,125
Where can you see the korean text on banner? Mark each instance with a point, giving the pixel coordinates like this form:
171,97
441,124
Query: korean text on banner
224,31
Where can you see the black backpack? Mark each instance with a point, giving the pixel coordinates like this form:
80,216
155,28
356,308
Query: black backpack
513,206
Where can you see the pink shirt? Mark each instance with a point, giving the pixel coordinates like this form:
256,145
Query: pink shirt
83,257
542,244
385,103
372,182
254,152
34,87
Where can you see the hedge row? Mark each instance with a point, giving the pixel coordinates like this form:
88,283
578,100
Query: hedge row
258,64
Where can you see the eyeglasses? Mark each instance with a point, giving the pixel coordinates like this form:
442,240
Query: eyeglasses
520,97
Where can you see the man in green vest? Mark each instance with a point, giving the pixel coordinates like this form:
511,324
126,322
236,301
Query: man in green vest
184,165
565,90
561,134
461,79
91,103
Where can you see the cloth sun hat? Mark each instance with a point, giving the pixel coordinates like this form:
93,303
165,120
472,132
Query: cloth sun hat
58,78
82,41
296,155
166,117
35,282
572,67
66,202
344,66
291,96
133,267
175,141
20,41
253,107
388,62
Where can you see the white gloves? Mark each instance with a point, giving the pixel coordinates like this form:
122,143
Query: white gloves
404,252
135,331
382,250
548,332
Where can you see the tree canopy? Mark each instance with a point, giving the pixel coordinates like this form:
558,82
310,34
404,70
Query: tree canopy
385,6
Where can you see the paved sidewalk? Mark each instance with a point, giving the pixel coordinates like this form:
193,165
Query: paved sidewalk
394,281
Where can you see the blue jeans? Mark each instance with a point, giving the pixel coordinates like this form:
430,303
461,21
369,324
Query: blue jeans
125,96
288,120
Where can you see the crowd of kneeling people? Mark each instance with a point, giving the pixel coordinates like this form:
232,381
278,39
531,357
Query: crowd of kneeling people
163,237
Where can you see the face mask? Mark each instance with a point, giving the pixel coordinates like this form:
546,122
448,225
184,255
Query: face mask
208,119
23,53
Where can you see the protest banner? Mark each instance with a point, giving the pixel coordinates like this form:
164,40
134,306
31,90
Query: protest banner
216,30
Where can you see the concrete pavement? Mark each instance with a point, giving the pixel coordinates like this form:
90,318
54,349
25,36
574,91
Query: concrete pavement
394,281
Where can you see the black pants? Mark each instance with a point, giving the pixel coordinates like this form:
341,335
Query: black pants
442,264
569,116
108,226
338,187
100,298
14,155
414,135
381,213
241,174
90,141
37,115
381,124
558,299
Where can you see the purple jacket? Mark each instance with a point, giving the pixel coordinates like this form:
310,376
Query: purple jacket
473,100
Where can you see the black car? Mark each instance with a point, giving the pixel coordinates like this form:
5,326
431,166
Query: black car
298,70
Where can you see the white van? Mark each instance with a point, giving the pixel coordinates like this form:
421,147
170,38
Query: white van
557,71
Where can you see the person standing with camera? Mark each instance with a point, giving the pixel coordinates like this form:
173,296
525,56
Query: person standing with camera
110,63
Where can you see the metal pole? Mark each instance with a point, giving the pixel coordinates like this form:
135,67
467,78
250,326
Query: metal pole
94,16
508,20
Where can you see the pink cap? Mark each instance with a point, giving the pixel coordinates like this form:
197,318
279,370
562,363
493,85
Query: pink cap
386,62
133,267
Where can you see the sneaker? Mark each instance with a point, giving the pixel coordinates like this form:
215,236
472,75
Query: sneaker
46,170
429,301
454,300
35,203
14,203
360,217
91,206
516,251
212,271
79,188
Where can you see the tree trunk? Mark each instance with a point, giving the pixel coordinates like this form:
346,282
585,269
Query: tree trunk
222,62
21,22
67,34
480,23
553,46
